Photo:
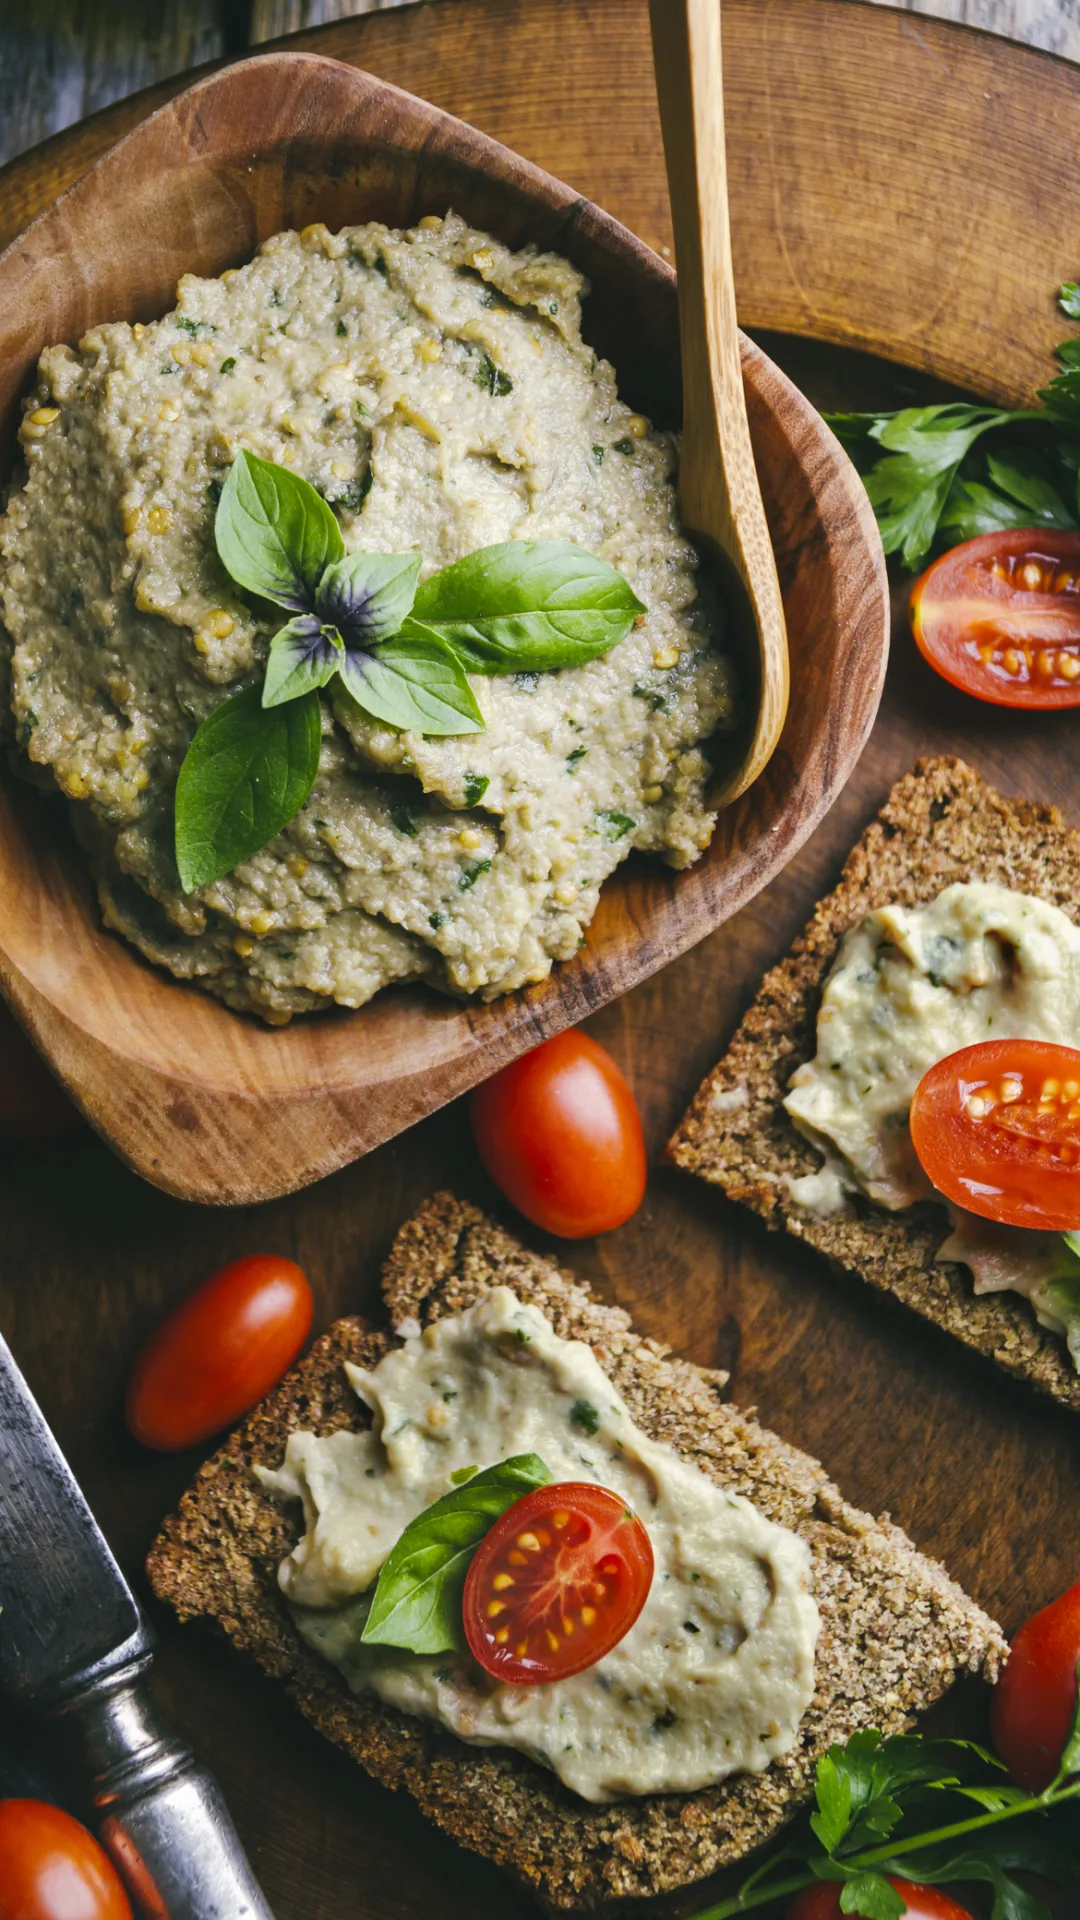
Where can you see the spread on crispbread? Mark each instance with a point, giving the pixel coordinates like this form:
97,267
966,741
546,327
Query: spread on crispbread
896,1631
942,823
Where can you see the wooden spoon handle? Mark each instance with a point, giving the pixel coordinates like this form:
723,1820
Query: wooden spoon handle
719,495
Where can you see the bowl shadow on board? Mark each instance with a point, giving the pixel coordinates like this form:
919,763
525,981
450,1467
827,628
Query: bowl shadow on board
211,1106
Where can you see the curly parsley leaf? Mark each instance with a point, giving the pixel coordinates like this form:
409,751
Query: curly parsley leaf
417,1603
933,482
871,1894
868,1827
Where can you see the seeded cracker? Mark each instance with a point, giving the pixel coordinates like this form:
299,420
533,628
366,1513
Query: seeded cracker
941,823
896,1632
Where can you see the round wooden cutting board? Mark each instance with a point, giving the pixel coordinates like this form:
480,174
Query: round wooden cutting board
899,186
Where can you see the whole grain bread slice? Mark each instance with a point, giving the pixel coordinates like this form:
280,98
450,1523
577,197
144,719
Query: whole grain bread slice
896,1631
941,823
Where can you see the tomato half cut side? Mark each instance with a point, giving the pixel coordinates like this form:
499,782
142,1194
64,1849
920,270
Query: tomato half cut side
1034,1701
1000,617
558,1581
997,1129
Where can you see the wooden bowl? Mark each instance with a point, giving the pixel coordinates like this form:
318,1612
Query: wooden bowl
211,1105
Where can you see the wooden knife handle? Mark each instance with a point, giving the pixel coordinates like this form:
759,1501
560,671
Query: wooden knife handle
161,1815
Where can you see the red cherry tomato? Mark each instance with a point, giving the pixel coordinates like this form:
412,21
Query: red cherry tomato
1000,617
219,1352
1034,1701
923,1903
51,1868
33,1106
560,1133
556,1583
997,1129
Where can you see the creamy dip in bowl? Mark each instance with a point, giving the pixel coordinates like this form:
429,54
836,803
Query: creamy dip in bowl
225,1110
434,387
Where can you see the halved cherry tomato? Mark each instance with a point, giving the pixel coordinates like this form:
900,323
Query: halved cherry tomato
1034,1701
997,1129
560,1133
219,1351
923,1903
33,1106
51,1868
556,1583
1000,617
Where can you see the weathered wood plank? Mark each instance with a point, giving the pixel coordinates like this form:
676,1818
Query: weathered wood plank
271,18
1053,25
63,59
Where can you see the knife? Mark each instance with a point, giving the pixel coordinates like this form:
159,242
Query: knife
74,1652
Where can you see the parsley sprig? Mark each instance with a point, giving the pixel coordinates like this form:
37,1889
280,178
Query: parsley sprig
942,474
876,1803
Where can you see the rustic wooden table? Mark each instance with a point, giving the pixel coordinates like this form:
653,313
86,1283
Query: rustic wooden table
63,59
982,1474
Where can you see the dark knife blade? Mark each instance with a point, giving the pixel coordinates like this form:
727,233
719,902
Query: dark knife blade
65,1604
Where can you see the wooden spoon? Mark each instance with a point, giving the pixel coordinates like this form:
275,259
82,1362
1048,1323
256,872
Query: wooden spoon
719,496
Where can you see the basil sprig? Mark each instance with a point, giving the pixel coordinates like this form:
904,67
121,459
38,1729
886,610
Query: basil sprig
403,652
417,1601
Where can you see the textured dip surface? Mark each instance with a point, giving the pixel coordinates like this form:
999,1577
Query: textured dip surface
436,389
715,1674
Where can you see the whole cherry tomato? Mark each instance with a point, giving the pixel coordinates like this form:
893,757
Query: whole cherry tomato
560,1133
923,1903
51,1868
1000,617
997,1129
33,1106
558,1581
219,1352
1034,1701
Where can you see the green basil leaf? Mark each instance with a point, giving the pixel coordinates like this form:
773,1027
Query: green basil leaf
274,534
248,770
528,605
368,596
303,657
417,1601
415,683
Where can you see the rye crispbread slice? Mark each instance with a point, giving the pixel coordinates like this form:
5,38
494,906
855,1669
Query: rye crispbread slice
896,1631
941,823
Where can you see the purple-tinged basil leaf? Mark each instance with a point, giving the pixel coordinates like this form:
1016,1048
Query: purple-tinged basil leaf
368,596
415,683
248,770
274,534
303,656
